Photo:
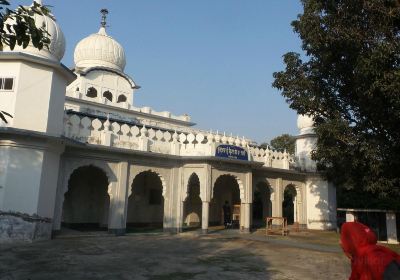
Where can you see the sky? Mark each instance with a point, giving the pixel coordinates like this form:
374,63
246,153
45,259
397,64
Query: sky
210,59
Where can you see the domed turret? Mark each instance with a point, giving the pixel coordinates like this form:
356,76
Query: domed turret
305,124
99,49
56,48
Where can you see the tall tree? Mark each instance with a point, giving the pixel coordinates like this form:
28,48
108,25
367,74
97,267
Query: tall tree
349,81
284,142
17,27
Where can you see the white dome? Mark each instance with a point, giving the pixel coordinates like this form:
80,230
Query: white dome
305,124
56,49
99,49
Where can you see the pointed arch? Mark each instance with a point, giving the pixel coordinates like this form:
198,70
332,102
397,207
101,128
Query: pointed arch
108,95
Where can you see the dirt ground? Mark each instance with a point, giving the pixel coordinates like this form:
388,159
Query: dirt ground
219,255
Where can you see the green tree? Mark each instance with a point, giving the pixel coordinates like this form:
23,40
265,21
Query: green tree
284,142
17,27
349,81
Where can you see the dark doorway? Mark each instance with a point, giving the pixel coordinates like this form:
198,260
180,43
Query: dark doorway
193,204
261,204
86,202
146,203
226,189
288,203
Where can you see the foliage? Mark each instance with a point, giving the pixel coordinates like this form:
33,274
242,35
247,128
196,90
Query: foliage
284,142
350,84
18,28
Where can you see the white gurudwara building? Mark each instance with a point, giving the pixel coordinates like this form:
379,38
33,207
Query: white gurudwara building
78,154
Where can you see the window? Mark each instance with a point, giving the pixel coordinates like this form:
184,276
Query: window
155,197
121,98
108,95
91,92
6,83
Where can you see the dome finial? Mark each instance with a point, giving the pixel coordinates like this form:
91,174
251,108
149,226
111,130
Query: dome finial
104,13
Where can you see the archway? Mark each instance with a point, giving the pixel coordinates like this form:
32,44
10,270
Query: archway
146,202
262,206
288,204
86,204
226,189
193,204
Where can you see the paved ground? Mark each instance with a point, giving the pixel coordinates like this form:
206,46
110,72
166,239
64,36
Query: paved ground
220,255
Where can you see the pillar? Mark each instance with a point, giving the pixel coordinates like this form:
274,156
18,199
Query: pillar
391,228
118,201
246,214
350,216
205,211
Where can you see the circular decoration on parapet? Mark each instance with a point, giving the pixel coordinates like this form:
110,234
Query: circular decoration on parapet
151,134
167,136
200,138
135,131
159,135
182,138
191,138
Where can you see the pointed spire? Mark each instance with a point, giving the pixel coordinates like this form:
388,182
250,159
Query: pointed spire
40,2
103,22
104,13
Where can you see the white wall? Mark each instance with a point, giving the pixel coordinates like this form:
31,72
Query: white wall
22,179
321,204
7,98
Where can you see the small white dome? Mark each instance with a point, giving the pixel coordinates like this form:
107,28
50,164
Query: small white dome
305,124
99,49
56,48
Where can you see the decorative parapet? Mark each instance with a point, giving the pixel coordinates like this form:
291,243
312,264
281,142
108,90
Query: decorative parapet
106,132
126,105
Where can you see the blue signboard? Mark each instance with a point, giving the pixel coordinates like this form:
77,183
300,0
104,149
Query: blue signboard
230,151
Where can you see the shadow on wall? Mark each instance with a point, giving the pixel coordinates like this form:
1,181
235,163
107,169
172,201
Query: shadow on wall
326,204
304,147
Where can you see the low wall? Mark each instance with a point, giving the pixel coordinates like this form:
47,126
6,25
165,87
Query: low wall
16,227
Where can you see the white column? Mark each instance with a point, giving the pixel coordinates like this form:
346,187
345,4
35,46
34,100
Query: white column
205,216
245,212
118,200
350,216
391,228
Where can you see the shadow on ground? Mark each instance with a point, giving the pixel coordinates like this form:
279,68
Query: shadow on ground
161,256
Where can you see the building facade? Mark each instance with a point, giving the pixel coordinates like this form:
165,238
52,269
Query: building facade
77,152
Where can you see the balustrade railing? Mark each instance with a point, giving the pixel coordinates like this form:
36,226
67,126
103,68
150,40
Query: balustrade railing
112,133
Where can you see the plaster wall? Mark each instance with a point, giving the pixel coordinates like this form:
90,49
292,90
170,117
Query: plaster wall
103,81
321,204
21,182
40,96
7,98
48,180
304,147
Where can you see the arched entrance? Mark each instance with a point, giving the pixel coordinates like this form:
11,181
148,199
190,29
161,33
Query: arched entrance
146,202
288,204
86,203
262,206
192,205
226,189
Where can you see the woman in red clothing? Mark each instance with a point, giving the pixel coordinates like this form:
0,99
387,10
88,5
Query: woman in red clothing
368,260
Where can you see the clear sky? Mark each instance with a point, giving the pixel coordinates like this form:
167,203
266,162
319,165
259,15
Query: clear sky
211,59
